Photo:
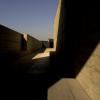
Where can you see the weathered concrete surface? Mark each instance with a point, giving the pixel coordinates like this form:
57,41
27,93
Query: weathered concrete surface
89,77
15,43
10,41
39,59
13,47
32,43
67,89
78,34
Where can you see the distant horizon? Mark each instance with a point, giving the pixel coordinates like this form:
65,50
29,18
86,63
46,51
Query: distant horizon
33,17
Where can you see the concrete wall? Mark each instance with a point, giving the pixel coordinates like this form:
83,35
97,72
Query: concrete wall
45,44
78,36
51,43
16,44
56,24
32,43
10,41
89,77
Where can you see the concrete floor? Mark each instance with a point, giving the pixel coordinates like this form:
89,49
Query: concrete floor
67,89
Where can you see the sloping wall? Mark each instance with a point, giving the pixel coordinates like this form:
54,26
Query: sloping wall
56,24
10,40
15,44
78,44
89,77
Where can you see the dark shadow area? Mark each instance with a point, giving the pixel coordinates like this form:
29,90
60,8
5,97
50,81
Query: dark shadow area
9,43
10,63
30,83
24,63
51,43
35,79
23,43
39,74
78,36
45,44
13,46
15,83
24,88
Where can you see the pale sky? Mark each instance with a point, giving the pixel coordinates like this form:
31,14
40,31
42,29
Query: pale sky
35,17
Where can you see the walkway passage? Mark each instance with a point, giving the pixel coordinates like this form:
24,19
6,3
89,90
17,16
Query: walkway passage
34,60
41,64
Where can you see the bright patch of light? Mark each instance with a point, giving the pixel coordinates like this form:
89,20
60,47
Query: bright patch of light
41,55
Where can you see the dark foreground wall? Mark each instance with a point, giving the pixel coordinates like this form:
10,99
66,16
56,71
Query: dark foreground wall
78,37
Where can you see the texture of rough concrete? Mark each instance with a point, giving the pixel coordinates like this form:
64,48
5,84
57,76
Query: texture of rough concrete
10,41
67,89
17,43
89,77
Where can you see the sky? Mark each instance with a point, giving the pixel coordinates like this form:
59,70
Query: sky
35,17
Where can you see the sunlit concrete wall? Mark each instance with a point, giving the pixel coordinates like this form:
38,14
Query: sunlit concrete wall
45,44
89,77
56,23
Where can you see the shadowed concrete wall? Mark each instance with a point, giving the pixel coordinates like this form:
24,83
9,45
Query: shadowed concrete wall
16,44
10,41
78,36
89,77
